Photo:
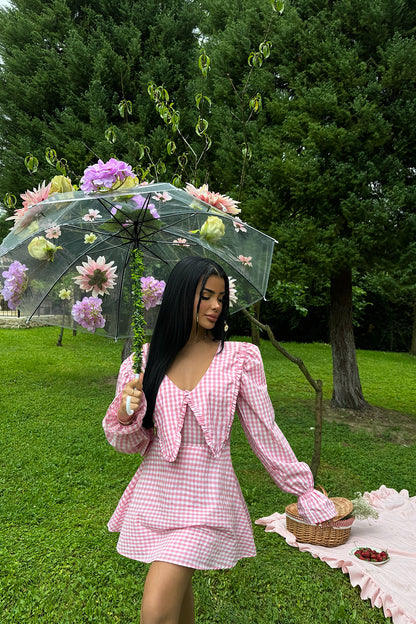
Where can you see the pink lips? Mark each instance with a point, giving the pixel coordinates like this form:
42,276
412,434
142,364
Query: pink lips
213,319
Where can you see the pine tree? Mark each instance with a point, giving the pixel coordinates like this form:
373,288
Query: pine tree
74,78
336,175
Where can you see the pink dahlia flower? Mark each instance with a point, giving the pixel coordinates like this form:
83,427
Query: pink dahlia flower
24,216
218,201
96,276
37,195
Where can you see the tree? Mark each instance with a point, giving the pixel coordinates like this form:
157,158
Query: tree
74,78
336,169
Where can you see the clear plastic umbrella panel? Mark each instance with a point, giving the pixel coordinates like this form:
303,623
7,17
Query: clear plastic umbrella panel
68,261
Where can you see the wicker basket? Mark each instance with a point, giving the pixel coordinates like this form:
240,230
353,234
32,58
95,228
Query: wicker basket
330,533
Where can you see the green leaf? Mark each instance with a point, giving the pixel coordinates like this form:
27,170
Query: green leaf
201,126
10,200
177,181
265,48
110,134
31,163
125,108
202,98
255,59
160,168
170,147
204,63
51,156
183,160
256,103
151,88
62,166
278,6
246,151
140,150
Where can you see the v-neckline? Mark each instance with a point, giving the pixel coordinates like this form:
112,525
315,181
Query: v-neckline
201,379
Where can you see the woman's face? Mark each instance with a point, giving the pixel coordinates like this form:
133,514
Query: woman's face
211,302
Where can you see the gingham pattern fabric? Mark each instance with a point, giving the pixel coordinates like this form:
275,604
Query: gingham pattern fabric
184,505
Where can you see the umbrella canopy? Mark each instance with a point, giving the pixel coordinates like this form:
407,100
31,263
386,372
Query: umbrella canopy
67,260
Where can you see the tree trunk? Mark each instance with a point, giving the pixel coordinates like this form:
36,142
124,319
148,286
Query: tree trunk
347,391
255,332
61,333
413,345
127,348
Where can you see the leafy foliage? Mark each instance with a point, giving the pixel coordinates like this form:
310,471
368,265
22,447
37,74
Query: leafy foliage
336,165
74,78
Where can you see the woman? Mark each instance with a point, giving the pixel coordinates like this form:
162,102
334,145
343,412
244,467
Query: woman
183,509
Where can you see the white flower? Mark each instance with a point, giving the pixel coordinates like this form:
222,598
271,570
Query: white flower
90,238
53,232
239,225
181,242
64,293
245,260
163,197
91,215
232,291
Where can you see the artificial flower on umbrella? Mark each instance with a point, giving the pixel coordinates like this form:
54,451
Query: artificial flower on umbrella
112,244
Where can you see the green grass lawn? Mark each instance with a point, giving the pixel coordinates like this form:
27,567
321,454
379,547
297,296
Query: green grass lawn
60,482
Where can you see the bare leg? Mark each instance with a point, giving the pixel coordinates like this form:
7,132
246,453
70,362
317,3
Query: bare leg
167,596
187,615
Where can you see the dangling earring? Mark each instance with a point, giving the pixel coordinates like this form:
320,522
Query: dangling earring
225,327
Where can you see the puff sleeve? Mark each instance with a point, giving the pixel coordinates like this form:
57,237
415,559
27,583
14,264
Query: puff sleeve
131,438
256,414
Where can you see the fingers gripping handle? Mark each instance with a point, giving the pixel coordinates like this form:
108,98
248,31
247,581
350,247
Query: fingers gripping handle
129,411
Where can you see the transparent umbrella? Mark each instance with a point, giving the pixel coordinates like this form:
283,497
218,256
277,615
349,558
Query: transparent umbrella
69,259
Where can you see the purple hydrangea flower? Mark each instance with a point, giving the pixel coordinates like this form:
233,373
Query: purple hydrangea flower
152,291
105,175
88,313
15,284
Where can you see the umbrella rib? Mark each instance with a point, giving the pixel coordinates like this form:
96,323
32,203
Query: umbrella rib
154,253
123,274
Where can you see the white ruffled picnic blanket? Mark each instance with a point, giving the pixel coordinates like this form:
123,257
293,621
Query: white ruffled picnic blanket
391,585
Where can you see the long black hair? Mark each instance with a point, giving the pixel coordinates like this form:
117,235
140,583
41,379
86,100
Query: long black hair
174,322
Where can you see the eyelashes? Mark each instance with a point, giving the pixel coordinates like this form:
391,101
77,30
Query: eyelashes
207,298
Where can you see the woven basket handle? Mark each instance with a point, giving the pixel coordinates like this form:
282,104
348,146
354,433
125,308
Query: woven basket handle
323,490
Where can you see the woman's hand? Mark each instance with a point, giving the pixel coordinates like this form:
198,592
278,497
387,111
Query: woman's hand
134,390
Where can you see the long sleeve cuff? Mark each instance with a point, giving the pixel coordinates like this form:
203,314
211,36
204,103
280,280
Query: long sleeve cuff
315,507
131,438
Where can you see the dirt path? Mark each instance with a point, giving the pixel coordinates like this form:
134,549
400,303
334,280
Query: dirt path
389,425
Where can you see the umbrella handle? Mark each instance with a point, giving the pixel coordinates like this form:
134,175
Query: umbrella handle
129,411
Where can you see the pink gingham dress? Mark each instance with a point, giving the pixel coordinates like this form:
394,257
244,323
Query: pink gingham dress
184,505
